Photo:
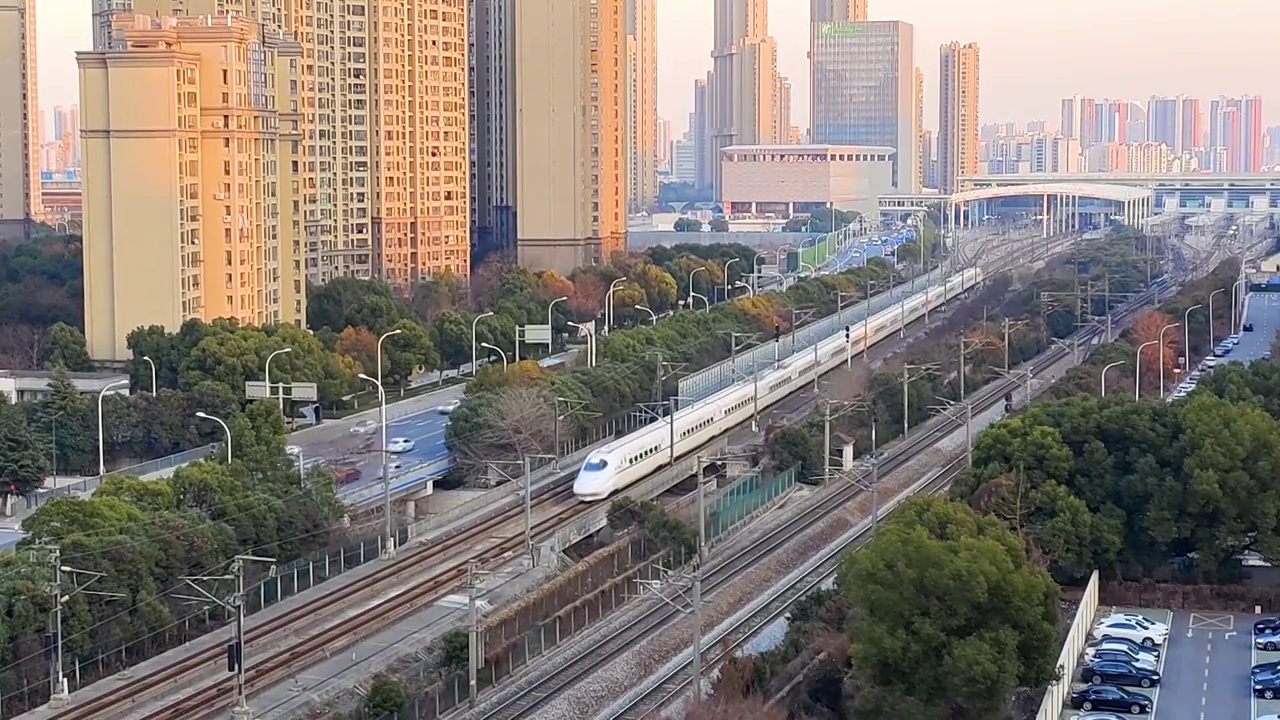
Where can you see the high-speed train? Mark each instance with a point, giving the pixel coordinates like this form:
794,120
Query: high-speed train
633,457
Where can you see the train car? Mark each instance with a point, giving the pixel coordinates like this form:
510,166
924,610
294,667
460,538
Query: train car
634,457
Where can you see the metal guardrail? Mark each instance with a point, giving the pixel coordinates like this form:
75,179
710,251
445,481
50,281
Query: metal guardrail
149,467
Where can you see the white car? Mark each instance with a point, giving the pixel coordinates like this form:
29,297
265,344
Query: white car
1135,617
1115,645
1129,630
450,407
293,450
399,445
364,427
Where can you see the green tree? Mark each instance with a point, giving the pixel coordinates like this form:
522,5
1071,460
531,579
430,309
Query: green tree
23,463
687,224
719,224
69,416
797,445
407,351
66,348
942,587
386,696
456,648
451,335
346,302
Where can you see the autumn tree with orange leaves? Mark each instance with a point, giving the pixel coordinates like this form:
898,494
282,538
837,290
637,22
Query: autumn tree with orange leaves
1146,328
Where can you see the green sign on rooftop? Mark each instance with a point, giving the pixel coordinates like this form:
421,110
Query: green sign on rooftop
834,29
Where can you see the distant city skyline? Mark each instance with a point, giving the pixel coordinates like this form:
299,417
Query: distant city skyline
1235,57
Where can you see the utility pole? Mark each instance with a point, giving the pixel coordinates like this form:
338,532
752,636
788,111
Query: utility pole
971,343
907,376
80,580
235,649
474,654
572,408
826,442
697,581
748,340
1008,325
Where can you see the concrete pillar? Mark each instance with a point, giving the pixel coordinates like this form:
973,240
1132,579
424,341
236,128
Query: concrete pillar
1044,215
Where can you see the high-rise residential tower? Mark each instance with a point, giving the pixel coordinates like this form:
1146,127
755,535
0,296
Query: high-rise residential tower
493,130
744,76
570,134
864,90
189,192
20,201
919,129
837,11
782,111
383,172
642,104
700,133
957,114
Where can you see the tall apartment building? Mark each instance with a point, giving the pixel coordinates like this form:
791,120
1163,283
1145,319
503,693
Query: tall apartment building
189,194
383,172
837,11
782,111
570,139
20,131
662,144
864,92
700,133
1032,153
1147,158
684,161
744,70
492,126
642,104
1272,152
919,129
957,114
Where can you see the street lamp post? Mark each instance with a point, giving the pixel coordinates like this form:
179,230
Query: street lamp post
267,374
1235,303
389,549
384,336
1215,292
1103,389
102,448
608,304
477,319
591,342
727,263
1170,326
693,294
740,284
153,373
1186,337
551,305
225,429
652,315
755,268
500,352
1137,371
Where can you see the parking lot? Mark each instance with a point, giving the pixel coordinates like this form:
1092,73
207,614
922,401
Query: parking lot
1204,667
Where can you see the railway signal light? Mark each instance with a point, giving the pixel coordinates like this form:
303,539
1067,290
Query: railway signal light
848,334
233,656
1008,402
777,330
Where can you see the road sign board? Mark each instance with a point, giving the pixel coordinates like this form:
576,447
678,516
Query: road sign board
254,390
299,391
536,334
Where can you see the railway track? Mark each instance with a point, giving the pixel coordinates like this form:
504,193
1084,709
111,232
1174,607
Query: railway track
396,590
299,622
527,701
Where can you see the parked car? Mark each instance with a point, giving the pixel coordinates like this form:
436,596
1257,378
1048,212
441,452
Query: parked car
1100,716
399,445
1266,686
364,427
1110,697
1136,618
1267,640
1121,643
1115,672
1266,668
1146,663
1128,630
1266,625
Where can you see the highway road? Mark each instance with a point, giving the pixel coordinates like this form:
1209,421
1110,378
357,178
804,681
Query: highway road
1263,310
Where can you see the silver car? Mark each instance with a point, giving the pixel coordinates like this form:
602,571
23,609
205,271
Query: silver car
364,427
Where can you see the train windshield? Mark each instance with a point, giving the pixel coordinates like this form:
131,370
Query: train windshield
595,465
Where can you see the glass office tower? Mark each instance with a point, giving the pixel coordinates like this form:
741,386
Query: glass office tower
862,77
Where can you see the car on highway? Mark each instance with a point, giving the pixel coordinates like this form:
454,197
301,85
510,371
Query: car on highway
448,408
346,475
1113,672
293,450
1248,327
1130,630
1110,697
364,427
1147,663
1122,644
1266,687
1266,625
399,445
1266,355
1269,640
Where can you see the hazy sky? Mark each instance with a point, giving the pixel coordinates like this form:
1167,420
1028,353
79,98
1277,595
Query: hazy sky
1033,54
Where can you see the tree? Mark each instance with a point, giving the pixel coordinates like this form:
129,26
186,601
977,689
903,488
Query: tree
23,465
940,586
796,445
360,345
66,347
70,417
450,333
719,224
687,224
345,302
386,696
408,352
1146,328
444,292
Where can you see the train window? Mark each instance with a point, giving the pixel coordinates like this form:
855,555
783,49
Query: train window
595,465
